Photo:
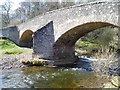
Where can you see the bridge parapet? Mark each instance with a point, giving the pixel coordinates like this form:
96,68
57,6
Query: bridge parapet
95,11
70,14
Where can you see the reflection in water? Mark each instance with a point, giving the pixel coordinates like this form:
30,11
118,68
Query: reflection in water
13,78
0,79
46,77
57,77
43,77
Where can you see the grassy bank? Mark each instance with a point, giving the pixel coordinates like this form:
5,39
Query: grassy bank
8,47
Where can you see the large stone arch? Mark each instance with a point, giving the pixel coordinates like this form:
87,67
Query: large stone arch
64,46
68,25
26,39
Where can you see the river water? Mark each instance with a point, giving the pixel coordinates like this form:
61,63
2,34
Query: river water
51,77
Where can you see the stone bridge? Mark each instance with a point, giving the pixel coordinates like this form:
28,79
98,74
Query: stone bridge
53,34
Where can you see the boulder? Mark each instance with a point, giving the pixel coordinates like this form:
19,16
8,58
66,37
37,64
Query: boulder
115,80
109,85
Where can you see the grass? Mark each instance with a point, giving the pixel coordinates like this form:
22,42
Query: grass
86,45
8,47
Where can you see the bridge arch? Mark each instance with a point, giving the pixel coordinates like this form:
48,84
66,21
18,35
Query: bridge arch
26,39
67,26
64,46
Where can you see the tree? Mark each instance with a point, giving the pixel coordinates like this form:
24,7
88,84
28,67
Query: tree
36,9
66,3
26,6
6,8
20,14
30,9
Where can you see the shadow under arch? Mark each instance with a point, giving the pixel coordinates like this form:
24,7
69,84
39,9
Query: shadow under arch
64,46
26,39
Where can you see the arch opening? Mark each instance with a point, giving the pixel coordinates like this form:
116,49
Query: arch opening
64,47
26,39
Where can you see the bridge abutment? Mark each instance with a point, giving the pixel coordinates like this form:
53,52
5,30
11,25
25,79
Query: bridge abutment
44,48
69,25
64,51
64,55
11,33
43,40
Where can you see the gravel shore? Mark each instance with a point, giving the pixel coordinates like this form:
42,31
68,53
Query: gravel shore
12,61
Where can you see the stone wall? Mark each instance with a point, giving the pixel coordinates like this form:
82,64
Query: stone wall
10,33
43,40
69,25
66,18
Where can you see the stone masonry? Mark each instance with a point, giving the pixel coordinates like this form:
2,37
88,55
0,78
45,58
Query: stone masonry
55,32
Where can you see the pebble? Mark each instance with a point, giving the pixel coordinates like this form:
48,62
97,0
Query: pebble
12,61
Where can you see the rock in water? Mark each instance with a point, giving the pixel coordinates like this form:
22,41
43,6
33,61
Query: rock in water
116,81
109,85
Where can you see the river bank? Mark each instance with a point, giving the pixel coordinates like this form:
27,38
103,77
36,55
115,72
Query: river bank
13,61
10,63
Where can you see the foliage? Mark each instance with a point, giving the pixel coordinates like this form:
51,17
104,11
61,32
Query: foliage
30,9
8,47
5,12
6,44
106,37
102,39
106,64
105,40
85,45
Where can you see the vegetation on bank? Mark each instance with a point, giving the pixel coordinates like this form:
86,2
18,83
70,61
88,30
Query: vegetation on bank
114,83
8,47
101,40
85,45
101,45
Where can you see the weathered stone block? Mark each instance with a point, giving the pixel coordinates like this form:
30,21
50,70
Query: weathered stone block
11,33
43,40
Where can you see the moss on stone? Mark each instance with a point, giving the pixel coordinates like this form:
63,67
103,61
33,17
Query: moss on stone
34,61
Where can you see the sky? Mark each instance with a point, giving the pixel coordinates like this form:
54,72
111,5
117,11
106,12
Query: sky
15,3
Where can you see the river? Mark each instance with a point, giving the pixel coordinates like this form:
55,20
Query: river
78,76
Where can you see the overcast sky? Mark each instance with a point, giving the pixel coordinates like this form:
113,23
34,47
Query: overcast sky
15,3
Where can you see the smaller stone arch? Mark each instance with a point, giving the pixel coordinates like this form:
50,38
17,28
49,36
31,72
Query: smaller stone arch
26,39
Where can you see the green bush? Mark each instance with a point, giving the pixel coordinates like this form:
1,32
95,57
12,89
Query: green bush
86,45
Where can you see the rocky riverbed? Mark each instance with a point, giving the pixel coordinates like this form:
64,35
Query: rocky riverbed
13,61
